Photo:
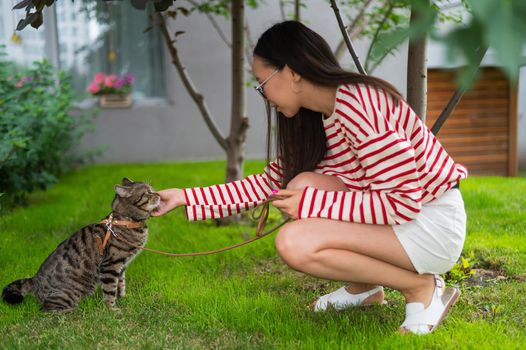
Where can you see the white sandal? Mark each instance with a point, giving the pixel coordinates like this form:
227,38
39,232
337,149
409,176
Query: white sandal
420,320
341,299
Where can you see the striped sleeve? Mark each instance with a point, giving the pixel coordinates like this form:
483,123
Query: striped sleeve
390,192
218,201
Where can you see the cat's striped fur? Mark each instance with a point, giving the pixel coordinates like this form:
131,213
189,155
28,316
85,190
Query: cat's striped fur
77,266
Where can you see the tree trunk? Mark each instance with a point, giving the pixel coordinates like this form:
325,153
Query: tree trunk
353,30
239,121
297,6
417,71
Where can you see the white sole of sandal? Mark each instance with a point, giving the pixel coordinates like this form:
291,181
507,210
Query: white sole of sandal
341,299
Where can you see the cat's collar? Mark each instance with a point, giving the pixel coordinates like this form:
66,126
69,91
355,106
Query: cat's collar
109,222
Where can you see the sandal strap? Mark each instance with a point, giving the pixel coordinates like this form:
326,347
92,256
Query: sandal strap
439,282
429,316
416,315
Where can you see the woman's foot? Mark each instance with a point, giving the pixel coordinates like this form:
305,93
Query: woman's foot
425,318
345,297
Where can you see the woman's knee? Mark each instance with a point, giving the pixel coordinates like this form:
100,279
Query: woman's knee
320,181
291,247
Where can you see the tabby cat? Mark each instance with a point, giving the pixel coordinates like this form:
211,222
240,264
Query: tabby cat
82,262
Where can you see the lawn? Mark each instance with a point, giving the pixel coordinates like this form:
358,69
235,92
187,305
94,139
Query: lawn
247,298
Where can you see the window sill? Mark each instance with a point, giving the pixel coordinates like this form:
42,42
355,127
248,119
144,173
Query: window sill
148,102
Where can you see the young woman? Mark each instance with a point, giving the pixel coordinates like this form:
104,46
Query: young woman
374,195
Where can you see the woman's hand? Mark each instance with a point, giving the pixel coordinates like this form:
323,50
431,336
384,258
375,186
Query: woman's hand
287,201
170,199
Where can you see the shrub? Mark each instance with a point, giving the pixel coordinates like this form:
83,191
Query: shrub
38,131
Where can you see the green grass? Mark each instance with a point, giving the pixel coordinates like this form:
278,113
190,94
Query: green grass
246,298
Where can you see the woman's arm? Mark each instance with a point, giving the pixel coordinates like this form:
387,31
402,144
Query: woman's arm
222,200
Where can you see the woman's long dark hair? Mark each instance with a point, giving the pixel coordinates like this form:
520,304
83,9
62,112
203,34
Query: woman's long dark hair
300,141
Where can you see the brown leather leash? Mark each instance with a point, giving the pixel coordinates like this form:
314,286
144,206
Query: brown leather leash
109,222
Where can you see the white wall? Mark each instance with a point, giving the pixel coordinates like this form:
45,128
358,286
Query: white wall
175,130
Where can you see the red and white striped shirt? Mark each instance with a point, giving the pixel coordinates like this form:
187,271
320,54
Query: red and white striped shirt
389,160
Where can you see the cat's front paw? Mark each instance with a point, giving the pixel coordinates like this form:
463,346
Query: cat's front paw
114,308
121,291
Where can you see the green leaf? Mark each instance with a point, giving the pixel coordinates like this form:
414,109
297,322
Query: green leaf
505,28
37,21
388,41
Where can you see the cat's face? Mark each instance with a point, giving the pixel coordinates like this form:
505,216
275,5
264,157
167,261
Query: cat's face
136,198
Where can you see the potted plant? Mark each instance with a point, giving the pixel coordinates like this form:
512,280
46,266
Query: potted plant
113,91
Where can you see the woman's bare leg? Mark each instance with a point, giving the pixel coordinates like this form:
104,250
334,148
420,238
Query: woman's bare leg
332,183
366,255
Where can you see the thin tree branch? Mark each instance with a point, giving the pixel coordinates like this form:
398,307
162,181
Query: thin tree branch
377,63
297,6
189,85
388,11
455,99
346,37
225,39
351,29
214,24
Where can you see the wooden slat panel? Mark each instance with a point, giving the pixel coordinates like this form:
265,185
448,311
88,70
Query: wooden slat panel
477,134
481,158
513,162
487,120
467,112
445,95
476,148
442,85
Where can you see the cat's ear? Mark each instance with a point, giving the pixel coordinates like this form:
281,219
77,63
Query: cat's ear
126,181
122,191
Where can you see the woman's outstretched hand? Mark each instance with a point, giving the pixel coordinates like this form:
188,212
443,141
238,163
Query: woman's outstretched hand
170,199
287,201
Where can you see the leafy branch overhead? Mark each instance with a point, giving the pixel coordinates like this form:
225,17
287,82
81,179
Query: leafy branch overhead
34,9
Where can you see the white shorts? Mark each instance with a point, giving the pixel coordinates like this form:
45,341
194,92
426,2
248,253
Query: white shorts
434,240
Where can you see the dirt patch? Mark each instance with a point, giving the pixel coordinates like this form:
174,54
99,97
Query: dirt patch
484,277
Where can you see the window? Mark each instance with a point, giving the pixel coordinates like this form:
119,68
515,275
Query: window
28,45
103,37
108,37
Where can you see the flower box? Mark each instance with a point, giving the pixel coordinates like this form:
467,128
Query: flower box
113,91
115,101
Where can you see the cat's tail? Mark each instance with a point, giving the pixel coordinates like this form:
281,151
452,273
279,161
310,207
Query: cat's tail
14,292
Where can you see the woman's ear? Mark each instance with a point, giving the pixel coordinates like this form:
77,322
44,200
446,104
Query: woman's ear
295,77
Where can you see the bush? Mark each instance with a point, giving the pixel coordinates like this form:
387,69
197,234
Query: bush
38,131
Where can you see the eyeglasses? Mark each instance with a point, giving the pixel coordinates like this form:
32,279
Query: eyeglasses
259,88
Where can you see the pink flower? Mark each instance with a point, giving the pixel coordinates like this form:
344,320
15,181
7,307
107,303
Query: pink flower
108,82
119,83
93,88
99,78
129,78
